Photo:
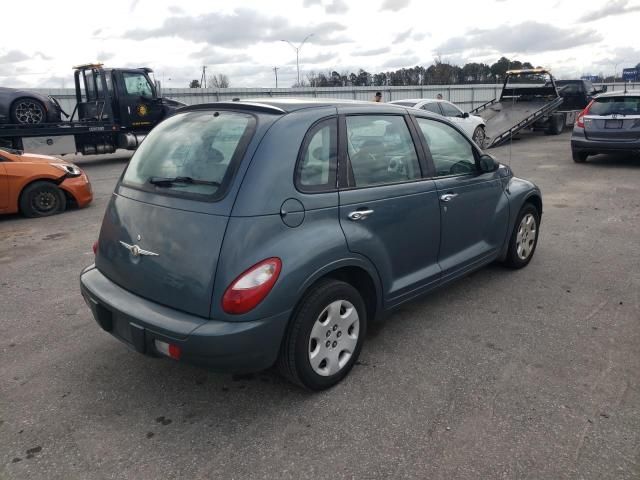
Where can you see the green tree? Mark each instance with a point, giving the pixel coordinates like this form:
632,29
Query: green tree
194,84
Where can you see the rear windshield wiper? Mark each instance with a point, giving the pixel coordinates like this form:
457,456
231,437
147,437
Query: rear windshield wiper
169,181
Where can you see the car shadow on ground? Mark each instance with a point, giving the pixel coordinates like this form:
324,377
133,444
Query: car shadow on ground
617,160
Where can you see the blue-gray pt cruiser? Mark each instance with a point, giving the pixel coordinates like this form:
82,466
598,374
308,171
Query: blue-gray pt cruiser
253,233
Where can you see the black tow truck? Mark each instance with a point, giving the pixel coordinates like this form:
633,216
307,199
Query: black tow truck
115,108
529,99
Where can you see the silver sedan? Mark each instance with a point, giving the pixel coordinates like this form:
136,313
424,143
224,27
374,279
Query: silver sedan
472,125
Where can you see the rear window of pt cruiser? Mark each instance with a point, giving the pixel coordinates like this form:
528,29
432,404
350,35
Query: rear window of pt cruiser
192,154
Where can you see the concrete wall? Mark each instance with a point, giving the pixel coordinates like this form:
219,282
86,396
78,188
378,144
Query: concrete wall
466,97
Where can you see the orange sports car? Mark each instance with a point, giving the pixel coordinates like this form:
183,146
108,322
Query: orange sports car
40,185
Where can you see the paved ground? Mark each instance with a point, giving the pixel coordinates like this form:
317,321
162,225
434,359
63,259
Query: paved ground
525,374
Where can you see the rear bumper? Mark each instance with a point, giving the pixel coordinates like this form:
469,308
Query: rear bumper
236,347
599,146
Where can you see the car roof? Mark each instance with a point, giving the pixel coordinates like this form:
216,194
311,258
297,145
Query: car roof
620,93
418,100
284,105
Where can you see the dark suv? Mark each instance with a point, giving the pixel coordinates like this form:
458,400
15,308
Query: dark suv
248,233
609,124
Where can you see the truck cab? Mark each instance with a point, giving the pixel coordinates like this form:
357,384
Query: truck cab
576,93
126,97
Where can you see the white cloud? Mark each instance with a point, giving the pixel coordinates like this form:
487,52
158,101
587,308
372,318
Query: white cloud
241,38
394,5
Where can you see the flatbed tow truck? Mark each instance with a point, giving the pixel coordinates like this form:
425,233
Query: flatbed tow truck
529,98
115,108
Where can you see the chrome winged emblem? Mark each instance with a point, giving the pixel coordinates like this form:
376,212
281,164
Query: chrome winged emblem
136,251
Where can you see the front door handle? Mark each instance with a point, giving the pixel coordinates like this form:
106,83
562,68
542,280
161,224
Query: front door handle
447,197
359,215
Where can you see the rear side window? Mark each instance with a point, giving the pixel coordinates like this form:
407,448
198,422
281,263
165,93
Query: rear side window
432,107
626,105
381,150
317,162
193,153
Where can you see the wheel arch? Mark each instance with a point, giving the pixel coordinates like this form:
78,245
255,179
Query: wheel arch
535,200
31,181
356,272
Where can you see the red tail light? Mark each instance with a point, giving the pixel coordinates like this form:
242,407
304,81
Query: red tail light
580,119
95,247
251,287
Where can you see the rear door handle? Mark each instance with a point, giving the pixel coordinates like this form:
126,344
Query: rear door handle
447,197
359,214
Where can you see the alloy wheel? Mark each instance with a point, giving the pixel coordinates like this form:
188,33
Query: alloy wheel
29,112
526,236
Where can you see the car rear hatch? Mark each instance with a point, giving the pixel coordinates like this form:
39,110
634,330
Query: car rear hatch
613,119
164,226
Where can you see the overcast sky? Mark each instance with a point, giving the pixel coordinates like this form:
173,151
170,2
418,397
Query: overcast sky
42,40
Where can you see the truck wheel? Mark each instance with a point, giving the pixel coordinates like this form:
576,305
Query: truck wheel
28,111
579,157
41,199
556,124
325,335
479,136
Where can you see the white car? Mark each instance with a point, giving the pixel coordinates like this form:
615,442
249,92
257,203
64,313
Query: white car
472,125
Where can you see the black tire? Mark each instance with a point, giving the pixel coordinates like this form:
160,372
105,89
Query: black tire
41,199
579,157
515,254
28,111
479,136
556,124
294,361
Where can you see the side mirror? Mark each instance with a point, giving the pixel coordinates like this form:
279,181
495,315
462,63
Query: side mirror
465,115
488,163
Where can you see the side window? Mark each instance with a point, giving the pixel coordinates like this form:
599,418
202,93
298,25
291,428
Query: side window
137,84
108,79
381,150
451,152
432,107
317,161
450,110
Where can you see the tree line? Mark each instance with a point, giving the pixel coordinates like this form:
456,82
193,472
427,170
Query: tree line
440,73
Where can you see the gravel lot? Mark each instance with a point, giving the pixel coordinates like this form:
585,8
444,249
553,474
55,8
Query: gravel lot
524,374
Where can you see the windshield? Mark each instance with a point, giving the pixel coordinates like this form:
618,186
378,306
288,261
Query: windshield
191,153
616,105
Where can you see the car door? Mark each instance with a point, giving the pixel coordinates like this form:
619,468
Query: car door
388,211
474,210
139,107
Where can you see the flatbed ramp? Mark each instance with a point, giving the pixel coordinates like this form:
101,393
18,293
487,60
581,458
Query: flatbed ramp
505,118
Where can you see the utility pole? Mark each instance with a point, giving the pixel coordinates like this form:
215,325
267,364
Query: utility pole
297,49
203,78
275,70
